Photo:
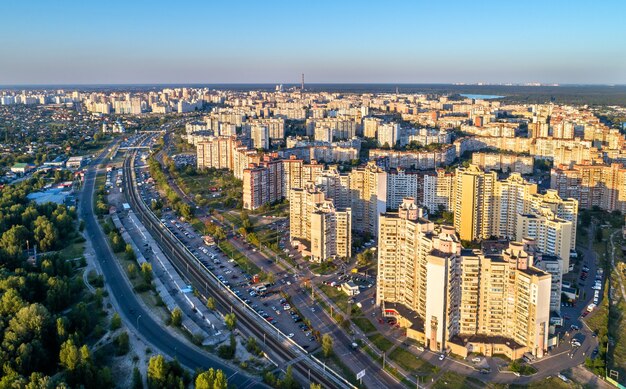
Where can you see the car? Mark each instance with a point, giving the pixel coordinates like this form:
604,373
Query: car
476,359
286,307
442,357
574,327
290,335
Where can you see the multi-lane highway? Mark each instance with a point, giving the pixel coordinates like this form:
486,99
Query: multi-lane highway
134,313
189,267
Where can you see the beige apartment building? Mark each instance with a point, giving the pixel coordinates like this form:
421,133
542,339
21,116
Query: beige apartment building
473,203
511,197
504,162
592,185
368,187
552,234
215,152
452,299
512,208
317,227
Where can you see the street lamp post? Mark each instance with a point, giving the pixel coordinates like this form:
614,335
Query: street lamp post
138,317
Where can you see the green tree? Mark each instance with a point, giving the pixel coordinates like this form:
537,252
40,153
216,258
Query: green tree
315,386
210,303
288,381
230,320
69,356
177,317
219,234
137,382
157,371
599,234
122,343
116,321
129,253
327,345
211,379
45,233
132,270
146,271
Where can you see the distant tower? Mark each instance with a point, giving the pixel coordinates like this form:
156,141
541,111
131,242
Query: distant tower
302,86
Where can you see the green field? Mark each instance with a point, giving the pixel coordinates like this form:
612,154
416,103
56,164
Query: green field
381,342
450,379
364,324
73,251
337,296
410,362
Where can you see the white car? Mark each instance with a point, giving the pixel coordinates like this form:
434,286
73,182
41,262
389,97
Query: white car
442,357
290,335
476,360
286,307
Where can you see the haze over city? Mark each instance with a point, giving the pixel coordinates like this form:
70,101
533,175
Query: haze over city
139,42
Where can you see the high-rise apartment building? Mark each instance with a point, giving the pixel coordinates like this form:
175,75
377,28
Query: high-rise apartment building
402,183
552,234
388,134
214,152
263,183
460,300
260,135
320,230
370,126
473,203
566,209
592,185
368,186
511,197
417,263
438,190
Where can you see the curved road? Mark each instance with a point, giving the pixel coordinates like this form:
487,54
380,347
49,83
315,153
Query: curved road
131,310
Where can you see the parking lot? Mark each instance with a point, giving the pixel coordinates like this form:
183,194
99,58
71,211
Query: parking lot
262,297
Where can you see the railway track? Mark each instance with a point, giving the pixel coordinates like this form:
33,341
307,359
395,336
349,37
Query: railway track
203,280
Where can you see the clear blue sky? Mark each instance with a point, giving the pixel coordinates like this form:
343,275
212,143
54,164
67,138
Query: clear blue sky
153,41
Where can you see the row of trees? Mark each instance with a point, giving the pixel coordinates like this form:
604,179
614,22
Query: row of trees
170,374
156,172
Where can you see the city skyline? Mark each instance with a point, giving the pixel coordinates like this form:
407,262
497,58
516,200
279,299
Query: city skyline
150,43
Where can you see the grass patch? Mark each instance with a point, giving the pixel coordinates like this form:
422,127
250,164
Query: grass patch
72,251
337,296
323,268
450,379
548,383
410,362
364,324
244,263
381,342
